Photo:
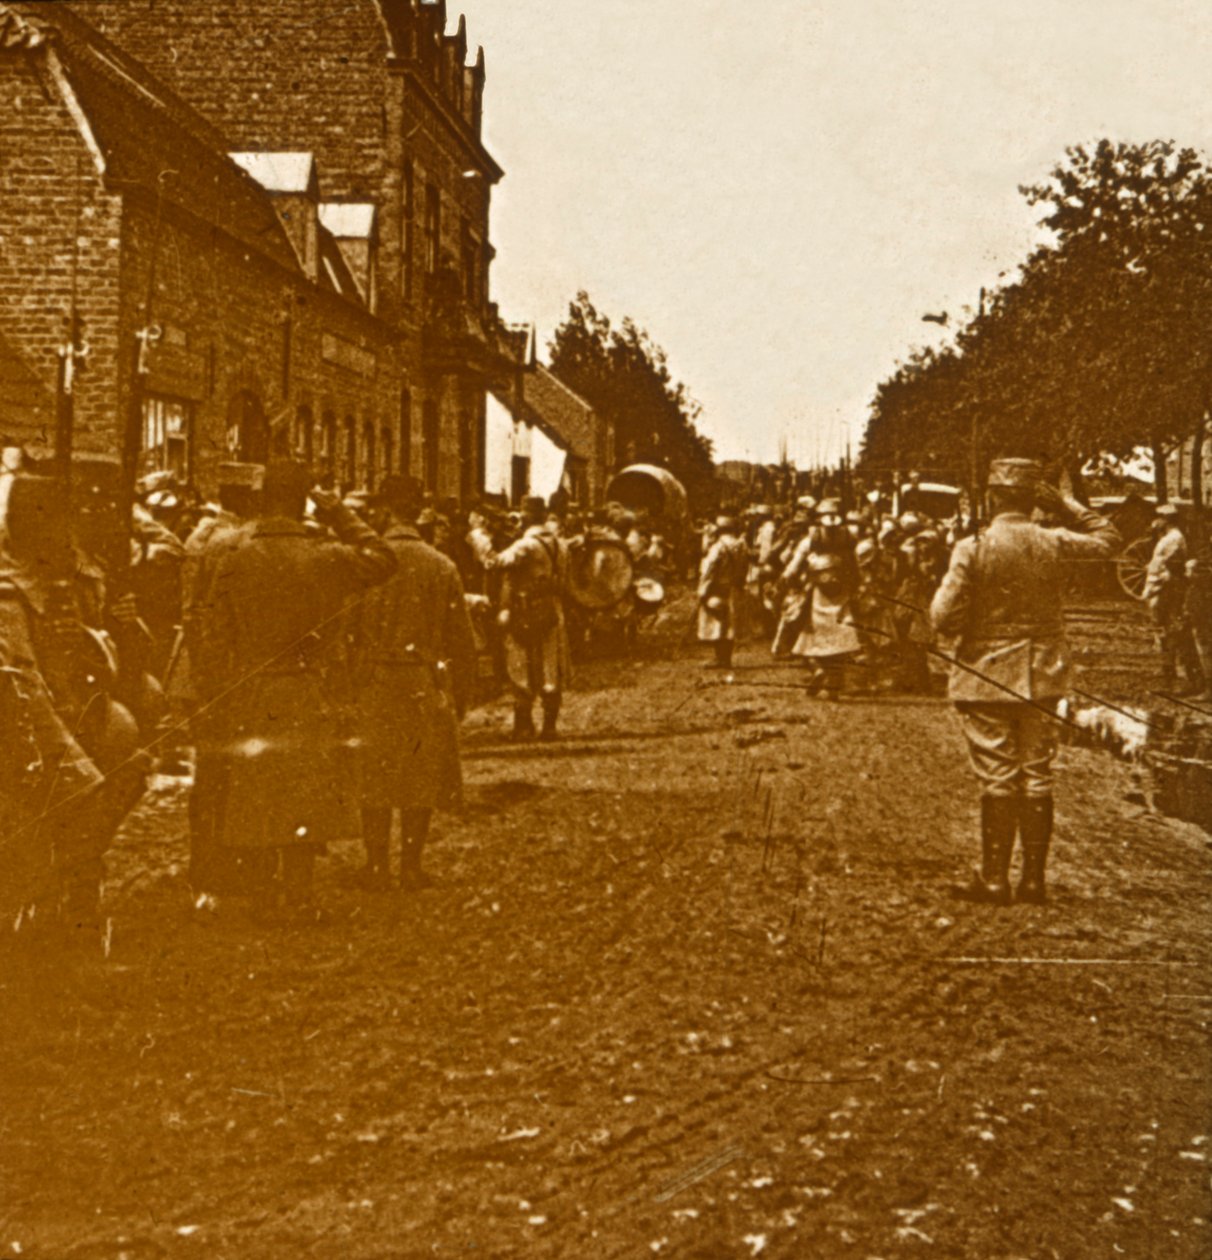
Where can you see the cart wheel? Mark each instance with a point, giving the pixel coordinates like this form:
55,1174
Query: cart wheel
1131,568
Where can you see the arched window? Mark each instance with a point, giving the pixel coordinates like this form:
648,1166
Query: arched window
387,451
327,454
347,474
303,437
370,455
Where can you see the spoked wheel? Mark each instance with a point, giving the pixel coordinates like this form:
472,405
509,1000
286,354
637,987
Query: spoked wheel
1132,567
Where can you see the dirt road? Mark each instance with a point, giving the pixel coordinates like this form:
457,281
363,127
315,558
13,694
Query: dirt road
691,985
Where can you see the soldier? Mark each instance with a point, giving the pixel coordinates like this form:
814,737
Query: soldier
268,667
58,806
210,875
415,658
537,654
1001,601
722,580
1165,593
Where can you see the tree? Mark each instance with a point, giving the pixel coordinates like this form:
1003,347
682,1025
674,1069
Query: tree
625,375
1098,343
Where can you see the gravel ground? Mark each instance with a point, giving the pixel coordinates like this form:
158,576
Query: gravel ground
691,984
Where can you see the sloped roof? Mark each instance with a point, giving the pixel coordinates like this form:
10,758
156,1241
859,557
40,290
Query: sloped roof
279,172
148,136
349,220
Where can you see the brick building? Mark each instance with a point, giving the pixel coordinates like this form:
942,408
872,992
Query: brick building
118,200
384,99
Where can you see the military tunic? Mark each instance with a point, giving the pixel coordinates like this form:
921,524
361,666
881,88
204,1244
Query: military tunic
722,579
538,659
1001,603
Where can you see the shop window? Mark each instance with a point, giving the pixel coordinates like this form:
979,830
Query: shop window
167,425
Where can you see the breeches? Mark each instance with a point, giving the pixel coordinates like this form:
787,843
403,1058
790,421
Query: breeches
1011,747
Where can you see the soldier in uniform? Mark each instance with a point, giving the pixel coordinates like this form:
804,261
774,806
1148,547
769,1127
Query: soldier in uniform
415,661
1001,603
59,809
415,670
537,655
212,538
722,578
268,666
1165,593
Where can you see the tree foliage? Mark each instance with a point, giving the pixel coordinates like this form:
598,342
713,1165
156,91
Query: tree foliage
1096,344
625,375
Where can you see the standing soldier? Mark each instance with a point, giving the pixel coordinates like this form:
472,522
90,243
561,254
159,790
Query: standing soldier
212,538
721,589
537,654
269,671
1001,601
1165,592
50,787
415,669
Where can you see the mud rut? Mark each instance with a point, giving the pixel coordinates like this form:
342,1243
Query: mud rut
689,986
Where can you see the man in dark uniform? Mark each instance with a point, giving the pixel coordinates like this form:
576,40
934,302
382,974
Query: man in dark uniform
415,661
58,807
269,667
212,538
1001,604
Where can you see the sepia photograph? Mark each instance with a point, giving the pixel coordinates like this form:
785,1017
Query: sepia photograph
605,629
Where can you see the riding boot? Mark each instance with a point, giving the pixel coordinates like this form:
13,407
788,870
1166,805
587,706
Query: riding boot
999,819
551,715
376,836
298,872
414,830
523,721
1035,823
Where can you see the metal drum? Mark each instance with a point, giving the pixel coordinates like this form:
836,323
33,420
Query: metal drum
600,574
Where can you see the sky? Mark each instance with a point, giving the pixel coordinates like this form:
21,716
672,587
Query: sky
778,191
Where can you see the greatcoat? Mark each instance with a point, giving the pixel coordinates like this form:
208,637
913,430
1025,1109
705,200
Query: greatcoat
270,666
722,579
415,665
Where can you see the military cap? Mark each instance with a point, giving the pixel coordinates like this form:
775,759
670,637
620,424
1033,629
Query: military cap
829,507
1168,511
1023,473
400,493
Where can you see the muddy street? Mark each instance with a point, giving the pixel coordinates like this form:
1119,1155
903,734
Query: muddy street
690,984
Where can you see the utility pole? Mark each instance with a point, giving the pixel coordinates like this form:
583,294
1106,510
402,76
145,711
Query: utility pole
974,445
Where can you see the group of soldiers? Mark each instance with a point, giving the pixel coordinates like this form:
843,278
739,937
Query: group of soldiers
317,654
888,594
848,593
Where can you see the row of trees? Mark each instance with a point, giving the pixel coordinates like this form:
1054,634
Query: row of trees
1099,343
625,376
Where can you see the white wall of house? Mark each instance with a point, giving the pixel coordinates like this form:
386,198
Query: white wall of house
505,440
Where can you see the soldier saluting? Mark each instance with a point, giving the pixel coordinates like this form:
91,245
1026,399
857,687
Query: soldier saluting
1001,601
